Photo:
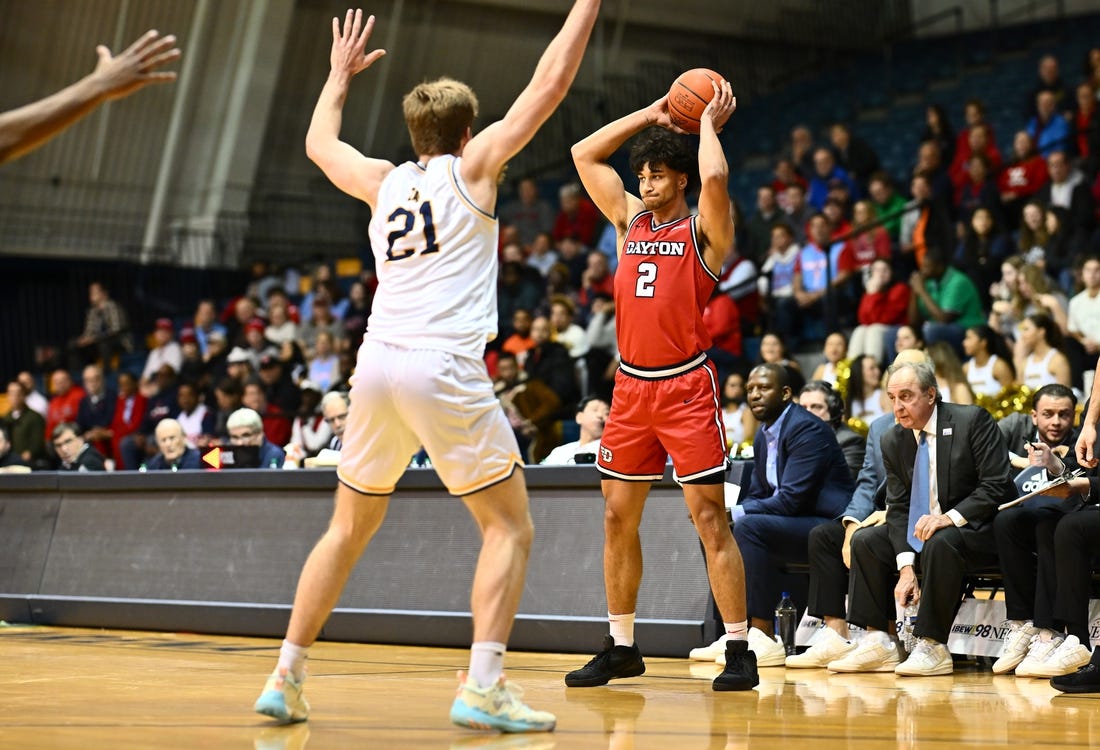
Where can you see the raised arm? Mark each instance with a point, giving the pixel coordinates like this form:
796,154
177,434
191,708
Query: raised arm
485,155
715,220
345,166
600,179
26,128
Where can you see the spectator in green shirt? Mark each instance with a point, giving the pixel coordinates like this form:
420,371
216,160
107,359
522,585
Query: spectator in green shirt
945,301
887,203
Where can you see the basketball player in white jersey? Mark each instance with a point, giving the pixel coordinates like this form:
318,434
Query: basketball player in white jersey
420,378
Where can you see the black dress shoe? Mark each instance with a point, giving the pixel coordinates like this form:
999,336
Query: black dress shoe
1084,680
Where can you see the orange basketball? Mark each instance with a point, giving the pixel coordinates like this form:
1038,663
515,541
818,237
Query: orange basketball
690,94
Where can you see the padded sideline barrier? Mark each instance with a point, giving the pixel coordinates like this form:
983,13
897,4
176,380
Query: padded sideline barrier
220,552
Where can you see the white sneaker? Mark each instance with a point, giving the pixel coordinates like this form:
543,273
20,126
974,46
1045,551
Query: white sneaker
928,658
1037,652
1066,659
828,646
1015,645
876,652
713,652
769,651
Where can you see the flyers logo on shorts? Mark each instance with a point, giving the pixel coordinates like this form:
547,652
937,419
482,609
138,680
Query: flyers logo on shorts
605,455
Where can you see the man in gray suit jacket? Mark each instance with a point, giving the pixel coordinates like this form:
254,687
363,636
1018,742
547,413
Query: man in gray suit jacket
829,555
948,465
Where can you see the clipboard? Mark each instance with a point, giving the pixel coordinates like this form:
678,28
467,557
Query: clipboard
1058,481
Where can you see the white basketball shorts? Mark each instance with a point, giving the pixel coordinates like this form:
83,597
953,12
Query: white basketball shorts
402,399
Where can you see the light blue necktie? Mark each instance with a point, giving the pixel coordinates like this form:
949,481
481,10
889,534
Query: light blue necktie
920,496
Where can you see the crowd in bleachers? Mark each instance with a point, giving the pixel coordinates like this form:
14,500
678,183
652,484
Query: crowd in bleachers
990,260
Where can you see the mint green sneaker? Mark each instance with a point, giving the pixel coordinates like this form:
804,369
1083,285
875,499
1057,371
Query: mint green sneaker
282,698
497,707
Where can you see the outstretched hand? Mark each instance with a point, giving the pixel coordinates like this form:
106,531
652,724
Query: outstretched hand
136,66
348,46
721,105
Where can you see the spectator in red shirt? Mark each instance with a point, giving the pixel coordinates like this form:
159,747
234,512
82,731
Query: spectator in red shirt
785,176
129,412
1084,125
980,142
836,209
596,279
578,218
277,425
885,305
974,113
65,402
873,242
1021,178
723,323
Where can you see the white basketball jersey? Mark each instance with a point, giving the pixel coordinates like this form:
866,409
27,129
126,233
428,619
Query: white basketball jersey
436,259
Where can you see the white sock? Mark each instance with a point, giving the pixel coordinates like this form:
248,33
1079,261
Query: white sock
293,657
738,631
622,628
486,662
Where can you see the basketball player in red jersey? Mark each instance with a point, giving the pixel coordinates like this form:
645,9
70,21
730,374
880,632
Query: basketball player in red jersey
666,399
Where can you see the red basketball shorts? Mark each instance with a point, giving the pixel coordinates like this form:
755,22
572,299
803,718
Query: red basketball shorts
653,418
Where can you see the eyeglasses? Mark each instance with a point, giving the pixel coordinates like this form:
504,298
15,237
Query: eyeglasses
335,417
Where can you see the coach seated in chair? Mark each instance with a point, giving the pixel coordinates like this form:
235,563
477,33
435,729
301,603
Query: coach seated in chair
1038,644
246,428
1022,430
174,453
830,547
74,453
820,399
799,480
946,473
1076,541
334,409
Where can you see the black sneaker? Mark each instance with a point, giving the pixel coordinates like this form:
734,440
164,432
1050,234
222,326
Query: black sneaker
740,672
613,662
1084,680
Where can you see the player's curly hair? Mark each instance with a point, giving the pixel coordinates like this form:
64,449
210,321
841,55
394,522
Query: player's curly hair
657,146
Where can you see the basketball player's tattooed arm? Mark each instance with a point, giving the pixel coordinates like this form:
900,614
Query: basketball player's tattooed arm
26,128
347,168
715,220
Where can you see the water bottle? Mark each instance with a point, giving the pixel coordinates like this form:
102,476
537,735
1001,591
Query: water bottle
908,622
786,622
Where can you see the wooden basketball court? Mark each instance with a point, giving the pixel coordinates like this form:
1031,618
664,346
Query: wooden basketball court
65,688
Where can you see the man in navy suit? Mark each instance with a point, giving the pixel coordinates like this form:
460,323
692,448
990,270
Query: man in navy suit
948,463
800,479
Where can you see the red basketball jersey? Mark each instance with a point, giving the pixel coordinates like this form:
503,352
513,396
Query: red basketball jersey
662,286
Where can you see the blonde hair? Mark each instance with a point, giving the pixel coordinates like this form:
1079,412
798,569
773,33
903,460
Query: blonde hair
438,114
